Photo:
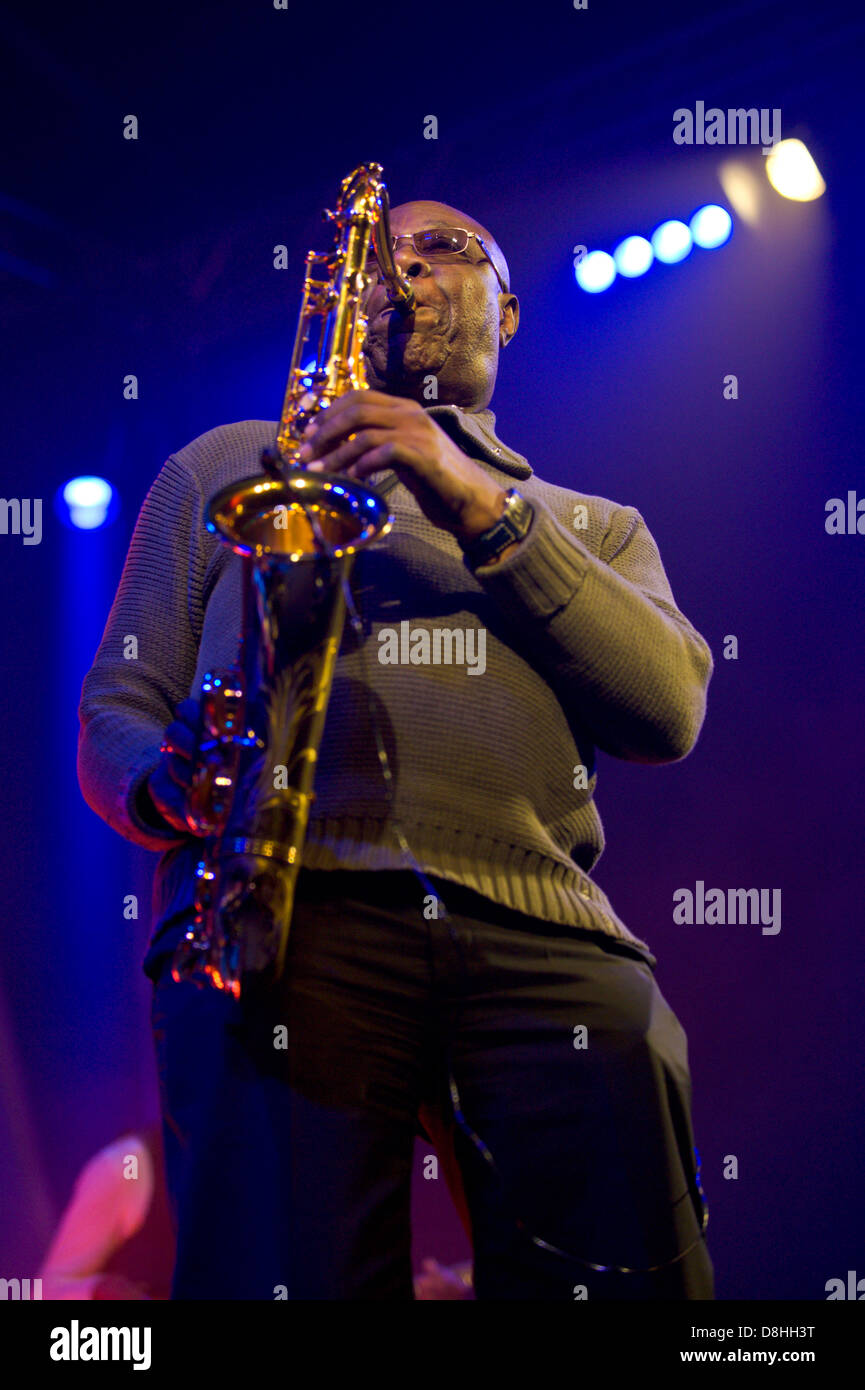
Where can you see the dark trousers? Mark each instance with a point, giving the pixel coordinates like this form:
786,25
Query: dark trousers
290,1122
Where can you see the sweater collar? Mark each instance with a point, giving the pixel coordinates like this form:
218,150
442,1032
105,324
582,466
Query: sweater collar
478,428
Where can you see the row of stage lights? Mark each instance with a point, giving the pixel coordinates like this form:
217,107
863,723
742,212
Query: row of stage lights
87,503
670,243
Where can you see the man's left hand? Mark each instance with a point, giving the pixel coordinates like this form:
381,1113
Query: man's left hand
364,432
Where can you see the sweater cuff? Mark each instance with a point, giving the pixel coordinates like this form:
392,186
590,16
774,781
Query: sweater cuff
544,571
149,835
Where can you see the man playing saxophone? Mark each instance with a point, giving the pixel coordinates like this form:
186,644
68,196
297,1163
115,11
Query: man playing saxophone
510,1003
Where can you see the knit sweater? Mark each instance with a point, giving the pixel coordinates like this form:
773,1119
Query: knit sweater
583,648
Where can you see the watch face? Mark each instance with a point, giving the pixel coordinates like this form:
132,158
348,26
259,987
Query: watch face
520,514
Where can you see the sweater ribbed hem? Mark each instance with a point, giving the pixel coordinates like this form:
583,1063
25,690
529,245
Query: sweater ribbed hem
525,880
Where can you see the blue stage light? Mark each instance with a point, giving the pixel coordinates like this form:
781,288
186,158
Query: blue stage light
711,226
89,502
671,242
633,256
595,272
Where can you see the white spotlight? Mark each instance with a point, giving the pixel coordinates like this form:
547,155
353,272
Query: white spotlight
744,190
793,173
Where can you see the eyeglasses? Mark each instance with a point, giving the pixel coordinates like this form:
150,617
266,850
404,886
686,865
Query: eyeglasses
444,243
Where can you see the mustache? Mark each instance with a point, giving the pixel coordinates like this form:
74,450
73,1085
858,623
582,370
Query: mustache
378,297
394,313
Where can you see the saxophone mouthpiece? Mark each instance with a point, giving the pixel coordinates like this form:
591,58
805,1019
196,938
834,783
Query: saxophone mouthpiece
401,296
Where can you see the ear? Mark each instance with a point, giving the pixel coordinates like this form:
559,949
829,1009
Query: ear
509,317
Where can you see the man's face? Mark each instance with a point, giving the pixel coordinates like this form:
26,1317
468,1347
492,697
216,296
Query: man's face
460,320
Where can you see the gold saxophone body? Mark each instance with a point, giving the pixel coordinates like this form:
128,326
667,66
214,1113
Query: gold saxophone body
261,722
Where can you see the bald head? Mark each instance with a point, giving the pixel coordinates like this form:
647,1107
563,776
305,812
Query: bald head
462,318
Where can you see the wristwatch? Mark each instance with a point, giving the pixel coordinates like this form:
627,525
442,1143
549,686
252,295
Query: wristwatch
512,525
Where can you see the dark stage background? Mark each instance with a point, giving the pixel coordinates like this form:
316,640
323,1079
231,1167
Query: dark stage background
155,257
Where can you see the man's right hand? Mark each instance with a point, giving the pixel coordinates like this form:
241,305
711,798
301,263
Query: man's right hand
169,784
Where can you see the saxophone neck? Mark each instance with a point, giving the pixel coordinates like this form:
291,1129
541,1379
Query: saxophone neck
399,287
333,296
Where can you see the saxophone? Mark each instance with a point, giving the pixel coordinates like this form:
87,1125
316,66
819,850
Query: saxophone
261,722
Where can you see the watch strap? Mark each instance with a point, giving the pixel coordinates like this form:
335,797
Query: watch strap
511,526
